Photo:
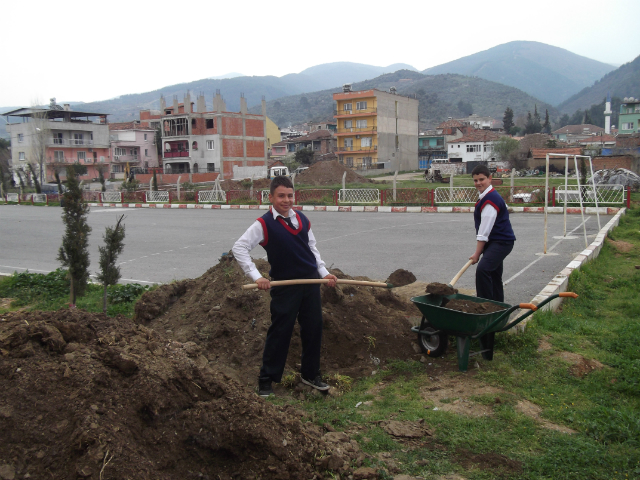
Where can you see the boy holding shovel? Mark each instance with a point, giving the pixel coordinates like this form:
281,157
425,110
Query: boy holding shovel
291,250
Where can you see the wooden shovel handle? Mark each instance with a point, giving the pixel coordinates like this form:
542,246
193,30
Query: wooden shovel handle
305,281
459,274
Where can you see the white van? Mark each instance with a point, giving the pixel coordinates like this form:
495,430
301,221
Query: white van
278,172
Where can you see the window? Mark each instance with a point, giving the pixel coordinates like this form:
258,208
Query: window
120,151
133,152
211,167
82,156
20,137
209,122
349,161
77,139
361,105
146,152
116,168
627,126
145,137
440,142
365,142
474,148
366,161
347,107
488,148
58,156
57,138
348,142
361,123
209,144
91,135
21,156
348,123
194,145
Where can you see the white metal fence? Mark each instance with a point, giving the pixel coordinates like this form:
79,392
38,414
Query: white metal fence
111,197
265,196
212,196
12,197
359,195
603,193
157,197
39,198
456,195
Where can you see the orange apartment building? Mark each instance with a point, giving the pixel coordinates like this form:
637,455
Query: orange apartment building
233,144
376,129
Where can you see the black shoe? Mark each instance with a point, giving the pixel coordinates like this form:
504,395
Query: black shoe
264,388
316,383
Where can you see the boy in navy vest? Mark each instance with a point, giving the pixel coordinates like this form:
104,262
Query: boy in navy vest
494,236
494,241
291,250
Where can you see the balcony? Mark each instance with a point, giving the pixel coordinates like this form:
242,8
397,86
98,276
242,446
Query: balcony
370,129
175,154
366,111
125,159
70,142
352,148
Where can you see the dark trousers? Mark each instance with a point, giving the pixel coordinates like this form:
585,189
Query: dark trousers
489,270
287,303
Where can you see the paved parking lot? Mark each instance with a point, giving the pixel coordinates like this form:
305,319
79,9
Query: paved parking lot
169,244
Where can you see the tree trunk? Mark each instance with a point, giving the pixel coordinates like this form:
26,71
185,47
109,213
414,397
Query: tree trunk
72,296
104,300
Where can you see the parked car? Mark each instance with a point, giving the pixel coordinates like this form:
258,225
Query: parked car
52,188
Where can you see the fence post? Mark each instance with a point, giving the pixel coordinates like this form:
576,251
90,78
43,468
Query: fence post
628,196
121,197
335,197
433,197
169,197
553,192
195,193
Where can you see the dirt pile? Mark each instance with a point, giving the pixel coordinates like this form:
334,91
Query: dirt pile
401,277
87,396
363,326
329,173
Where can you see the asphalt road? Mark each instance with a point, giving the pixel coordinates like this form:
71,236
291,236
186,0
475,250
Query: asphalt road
170,244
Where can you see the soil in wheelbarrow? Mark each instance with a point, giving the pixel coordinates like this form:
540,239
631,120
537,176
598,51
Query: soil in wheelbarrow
364,327
468,306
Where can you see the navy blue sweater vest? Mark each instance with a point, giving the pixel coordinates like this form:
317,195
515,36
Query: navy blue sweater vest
501,231
288,249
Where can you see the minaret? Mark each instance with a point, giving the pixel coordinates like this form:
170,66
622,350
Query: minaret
607,115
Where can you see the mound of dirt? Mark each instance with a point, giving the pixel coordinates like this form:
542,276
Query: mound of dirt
436,288
88,396
401,277
329,173
363,326
258,184
468,306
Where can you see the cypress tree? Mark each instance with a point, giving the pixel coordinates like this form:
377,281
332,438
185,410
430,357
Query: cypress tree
109,271
101,180
507,120
546,126
154,185
74,251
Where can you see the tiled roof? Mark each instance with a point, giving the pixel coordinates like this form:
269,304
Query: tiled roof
542,152
478,136
599,139
316,135
451,124
585,128
128,126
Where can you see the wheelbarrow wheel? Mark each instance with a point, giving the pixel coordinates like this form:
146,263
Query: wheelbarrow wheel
434,344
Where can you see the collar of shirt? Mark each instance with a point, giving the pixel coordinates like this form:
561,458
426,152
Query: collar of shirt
489,188
292,216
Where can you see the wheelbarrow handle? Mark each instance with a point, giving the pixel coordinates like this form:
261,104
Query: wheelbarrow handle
528,307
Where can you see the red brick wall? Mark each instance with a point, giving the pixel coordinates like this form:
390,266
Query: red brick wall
198,129
255,163
173,178
145,115
255,148
231,126
622,161
228,168
232,148
254,128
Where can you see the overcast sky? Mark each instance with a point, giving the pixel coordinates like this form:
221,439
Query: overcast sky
88,51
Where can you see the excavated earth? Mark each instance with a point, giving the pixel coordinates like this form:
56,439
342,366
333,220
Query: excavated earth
329,173
171,393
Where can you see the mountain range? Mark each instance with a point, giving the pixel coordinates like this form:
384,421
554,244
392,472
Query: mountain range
521,75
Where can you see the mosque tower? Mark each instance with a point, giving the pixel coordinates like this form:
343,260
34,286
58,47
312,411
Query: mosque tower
607,115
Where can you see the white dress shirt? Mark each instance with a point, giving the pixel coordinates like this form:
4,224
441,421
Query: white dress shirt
487,218
255,235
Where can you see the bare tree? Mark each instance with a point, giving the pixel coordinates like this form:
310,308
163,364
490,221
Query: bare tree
40,137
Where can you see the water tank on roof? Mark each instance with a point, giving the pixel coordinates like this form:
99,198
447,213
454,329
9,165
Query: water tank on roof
346,87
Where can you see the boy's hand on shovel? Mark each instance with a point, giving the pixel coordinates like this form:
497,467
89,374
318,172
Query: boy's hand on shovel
263,283
332,280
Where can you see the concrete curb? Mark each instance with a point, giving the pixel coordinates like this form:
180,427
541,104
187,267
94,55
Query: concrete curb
560,282
361,208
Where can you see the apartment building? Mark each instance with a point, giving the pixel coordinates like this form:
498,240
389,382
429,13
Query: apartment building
376,129
196,141
629,118
53,138
132,145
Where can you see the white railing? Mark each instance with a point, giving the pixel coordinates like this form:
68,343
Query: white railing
111,197
359,195
212,196
456,195
603,193
157,197
39,198
70,141
265,196
12,197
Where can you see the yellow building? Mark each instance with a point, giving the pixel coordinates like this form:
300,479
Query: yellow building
273,133
376,129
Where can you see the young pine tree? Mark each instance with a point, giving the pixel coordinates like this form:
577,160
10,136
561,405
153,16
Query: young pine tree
154,180
101,180
109,271
507,120
36,183
74,251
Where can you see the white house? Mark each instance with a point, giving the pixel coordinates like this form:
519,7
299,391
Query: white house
475,146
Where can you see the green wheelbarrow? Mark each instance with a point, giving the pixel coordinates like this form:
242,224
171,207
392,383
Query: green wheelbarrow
439,322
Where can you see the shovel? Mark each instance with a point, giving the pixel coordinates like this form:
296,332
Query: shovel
303,281
440,298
